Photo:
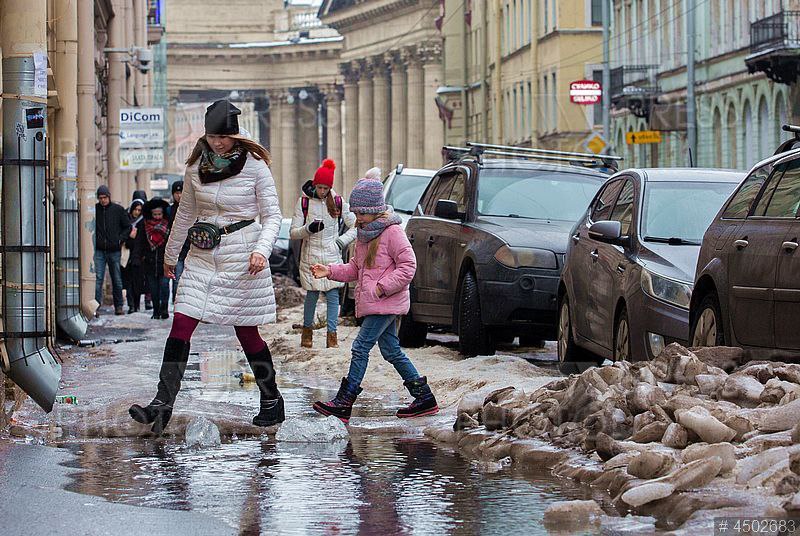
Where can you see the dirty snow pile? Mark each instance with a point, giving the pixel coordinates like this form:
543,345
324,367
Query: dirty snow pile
655,431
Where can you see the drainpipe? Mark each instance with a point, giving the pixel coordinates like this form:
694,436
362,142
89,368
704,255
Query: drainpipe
142,82
535,75
68,312
87,179
484,137
497,81
116,91
25,244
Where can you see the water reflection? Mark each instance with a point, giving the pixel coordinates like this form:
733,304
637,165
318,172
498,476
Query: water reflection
371,485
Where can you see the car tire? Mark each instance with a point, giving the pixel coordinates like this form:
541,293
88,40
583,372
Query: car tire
707,327
622,337
572,359
473,337
412,334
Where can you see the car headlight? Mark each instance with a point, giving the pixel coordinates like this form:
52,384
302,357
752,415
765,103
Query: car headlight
677,293
526,257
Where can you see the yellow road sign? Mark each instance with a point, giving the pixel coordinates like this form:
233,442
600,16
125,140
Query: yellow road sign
643,136
596,144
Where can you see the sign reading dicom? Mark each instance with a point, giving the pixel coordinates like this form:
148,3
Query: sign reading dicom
141,138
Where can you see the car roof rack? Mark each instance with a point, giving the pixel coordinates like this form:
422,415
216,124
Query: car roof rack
792,143
477,150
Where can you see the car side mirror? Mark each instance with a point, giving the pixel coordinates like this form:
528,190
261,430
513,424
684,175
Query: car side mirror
447,210
606,231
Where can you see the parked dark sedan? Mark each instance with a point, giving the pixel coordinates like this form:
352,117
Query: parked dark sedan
490,237
627,280
747,290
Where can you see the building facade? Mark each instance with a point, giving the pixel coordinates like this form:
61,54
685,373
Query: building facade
746,79
508,69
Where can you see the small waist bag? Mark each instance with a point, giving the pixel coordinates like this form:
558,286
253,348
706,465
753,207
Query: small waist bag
206,235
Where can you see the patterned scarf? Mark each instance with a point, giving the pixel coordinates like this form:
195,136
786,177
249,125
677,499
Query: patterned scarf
156,232
216,167
370,231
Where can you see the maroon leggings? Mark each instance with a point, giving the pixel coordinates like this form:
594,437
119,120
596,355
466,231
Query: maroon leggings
183,327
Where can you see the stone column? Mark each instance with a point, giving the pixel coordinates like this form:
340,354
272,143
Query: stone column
287,184
366,158
381,123
333,124
431,55
276,142
399,137
350,135
416,99
307,137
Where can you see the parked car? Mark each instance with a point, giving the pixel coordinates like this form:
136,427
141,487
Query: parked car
402,189
747,288
489,237
627,281
283,259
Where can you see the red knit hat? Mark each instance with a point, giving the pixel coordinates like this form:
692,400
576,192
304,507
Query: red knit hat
324,174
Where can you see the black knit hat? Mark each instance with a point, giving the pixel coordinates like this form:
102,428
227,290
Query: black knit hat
221,118
177,186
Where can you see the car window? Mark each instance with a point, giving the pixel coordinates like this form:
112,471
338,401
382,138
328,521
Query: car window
440,189
605,201
458,193
739,205
786,196
623,210
405,192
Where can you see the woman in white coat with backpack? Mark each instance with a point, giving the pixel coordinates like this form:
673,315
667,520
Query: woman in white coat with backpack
317,218
226,278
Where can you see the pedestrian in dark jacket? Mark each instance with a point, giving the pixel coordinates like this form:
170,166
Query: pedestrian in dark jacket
132,275
177,192
112,228
151,242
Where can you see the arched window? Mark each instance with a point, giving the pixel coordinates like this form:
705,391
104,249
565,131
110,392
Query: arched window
717,137
781,118
764,130
748,137
730,145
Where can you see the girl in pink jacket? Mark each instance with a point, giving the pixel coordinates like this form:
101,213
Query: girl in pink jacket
384,265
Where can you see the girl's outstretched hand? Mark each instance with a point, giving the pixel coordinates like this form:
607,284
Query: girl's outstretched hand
320,271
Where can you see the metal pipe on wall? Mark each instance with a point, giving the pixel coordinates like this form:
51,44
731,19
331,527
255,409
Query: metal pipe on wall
68,312
87,154
116,92
25,245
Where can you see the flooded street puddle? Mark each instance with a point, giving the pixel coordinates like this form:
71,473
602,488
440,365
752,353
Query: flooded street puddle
390,485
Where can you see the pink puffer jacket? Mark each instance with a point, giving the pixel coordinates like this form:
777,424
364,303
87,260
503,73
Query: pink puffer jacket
393,270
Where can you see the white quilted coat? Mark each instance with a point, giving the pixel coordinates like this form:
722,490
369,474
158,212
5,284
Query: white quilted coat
321,247
215,286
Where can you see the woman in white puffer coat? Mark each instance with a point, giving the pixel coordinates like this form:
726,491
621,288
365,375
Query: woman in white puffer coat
227,184
316,222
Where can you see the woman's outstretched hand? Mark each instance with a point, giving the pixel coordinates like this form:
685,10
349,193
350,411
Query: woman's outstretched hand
320,271
257,263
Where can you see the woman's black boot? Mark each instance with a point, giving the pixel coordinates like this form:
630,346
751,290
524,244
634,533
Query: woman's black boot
271,410
159,411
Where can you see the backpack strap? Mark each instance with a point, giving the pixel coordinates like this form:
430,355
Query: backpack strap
338,200
304,204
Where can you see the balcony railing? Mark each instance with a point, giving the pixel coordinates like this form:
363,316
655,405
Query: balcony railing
781,30
305,21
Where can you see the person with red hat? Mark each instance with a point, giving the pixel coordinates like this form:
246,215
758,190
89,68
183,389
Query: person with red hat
318,217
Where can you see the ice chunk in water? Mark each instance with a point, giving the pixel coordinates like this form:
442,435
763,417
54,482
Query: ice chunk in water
200,432
313,430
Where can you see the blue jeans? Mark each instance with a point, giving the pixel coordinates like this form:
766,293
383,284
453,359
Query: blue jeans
310,307
159,291
178,272
383,330
112,259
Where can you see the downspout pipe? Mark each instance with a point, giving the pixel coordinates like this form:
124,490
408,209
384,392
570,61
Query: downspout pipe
25,240
68,312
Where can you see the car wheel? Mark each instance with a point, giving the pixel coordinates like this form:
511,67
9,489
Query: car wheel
473,337
622,338
572,359
707,328
412,334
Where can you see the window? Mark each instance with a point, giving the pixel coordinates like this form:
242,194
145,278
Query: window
458,194
767,191
554,115
546,114
439,189
530,110
597,12
605,201
597,109
786,198
546,18
623,210
739,206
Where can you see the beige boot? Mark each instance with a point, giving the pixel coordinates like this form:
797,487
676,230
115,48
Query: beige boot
333,341
307,338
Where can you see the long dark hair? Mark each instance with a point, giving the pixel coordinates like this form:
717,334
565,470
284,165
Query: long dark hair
254,148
